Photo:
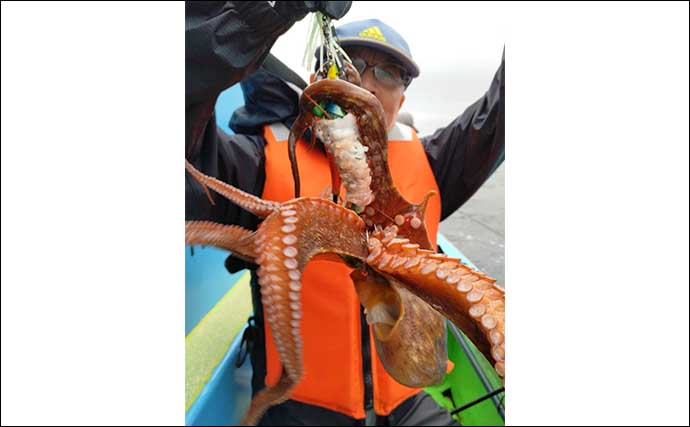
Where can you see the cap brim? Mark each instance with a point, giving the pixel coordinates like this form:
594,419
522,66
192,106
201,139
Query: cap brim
398,54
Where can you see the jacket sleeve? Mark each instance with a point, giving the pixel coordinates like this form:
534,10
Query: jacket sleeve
224,42
464,154
236,159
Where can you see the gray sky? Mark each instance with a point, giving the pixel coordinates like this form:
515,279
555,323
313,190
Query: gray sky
457,46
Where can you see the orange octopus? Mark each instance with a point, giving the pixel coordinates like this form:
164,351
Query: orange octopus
406,287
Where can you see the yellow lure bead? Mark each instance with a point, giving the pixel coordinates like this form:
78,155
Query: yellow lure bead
332,72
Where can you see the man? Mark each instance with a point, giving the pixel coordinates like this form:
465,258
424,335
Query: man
345,383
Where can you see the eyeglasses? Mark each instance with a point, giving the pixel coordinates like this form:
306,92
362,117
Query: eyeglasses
389,74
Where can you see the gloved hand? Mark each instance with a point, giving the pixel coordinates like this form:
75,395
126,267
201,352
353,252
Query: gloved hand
296,10
334,9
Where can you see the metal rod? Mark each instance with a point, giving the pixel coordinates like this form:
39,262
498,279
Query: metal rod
478,400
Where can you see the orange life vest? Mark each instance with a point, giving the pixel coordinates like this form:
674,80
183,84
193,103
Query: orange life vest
331,327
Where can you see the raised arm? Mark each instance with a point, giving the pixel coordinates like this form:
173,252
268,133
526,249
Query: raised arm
464,154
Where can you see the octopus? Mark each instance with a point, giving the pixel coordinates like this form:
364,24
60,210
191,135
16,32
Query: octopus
406,288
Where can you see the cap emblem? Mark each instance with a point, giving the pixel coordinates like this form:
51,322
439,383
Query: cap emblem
373,33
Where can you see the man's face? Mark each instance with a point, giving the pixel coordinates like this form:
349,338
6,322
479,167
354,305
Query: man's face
390,95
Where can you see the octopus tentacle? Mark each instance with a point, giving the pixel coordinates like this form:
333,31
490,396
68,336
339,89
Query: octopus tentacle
351,74
235,239
407,218
268,397
466,297
286,241
372,133
249,202
351,98
347,158
357,101
405,287
301,124
336,181
371,183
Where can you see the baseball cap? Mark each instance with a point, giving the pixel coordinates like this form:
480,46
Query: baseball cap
375,34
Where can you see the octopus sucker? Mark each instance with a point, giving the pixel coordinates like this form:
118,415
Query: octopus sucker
477,310
290,251
375,253
496,337
385,259
500,369
289,239
412,262
448,265
464,287
498,353
397,243
290,220
288,228
441,273
397,262
290,263
453,277
428,267
488,321
410,248
475,295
